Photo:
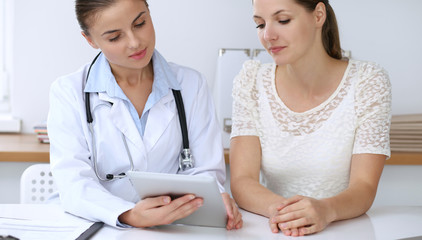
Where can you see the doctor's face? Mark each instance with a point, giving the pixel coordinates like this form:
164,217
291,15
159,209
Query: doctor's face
286,29
125,34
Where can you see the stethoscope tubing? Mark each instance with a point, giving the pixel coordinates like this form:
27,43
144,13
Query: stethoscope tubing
182,117
87,100
185,160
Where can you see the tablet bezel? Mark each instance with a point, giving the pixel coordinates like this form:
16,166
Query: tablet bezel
211,214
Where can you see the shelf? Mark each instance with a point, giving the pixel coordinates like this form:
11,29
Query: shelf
26,148
405,158
23,148
397,158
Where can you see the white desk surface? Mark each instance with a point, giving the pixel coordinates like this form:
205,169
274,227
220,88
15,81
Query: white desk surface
395,222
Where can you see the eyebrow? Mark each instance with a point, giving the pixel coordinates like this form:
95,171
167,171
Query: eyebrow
116,30
274,14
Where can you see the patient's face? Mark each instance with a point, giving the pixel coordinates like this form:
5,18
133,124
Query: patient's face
286,29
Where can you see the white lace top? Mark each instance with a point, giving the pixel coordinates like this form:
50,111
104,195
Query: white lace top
310,153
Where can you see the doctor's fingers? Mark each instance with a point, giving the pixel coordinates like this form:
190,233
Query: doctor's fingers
154,202
232,210
236,222
180,208
229,204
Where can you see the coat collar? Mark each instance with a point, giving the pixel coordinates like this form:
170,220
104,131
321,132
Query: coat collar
159,119
102,81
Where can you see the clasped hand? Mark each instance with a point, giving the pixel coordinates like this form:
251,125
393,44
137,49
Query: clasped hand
299,216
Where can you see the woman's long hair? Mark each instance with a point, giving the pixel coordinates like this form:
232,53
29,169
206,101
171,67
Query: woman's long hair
86,10
330,34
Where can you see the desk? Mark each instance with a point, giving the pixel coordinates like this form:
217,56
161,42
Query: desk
23,148
397,158
26,148
379,223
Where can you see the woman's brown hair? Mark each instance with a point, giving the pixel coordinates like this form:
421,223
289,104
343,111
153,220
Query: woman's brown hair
86,10
330,34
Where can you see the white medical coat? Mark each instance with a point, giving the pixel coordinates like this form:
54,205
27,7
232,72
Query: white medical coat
81,192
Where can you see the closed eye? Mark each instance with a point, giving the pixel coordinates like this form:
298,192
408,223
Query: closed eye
260,26
284,21
114,39
140,24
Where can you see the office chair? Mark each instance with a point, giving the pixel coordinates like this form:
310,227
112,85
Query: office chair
36,184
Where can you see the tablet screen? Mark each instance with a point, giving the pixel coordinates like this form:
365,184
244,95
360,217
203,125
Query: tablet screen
212,213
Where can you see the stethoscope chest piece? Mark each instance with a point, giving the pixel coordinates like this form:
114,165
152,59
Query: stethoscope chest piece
186,160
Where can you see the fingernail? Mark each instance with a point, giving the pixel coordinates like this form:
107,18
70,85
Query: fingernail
283,225
166,200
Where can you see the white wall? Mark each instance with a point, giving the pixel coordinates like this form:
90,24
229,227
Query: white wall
48,44
389,33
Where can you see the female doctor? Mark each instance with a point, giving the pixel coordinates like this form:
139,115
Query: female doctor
127,94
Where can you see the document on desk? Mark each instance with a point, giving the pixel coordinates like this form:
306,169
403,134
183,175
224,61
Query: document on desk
45,230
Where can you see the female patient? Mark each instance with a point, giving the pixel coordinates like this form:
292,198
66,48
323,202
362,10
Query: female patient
313,126
135,122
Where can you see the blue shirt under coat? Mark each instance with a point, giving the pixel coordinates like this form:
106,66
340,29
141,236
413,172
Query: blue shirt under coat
101,79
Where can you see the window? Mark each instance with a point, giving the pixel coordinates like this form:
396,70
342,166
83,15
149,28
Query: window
5,54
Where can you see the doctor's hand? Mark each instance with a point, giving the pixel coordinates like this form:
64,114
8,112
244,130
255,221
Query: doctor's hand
299,216
160,210
234,217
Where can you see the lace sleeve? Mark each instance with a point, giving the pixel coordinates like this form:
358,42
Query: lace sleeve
373,110
244,101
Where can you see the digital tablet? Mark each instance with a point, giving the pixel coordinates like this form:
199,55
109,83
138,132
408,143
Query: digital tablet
211,214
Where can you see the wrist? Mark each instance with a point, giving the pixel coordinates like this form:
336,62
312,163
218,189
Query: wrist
124,218
271,210
331,213
272,207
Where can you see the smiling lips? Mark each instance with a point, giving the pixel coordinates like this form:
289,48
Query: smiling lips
276,49
139,55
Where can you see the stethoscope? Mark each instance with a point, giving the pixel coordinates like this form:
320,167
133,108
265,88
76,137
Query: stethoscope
186,160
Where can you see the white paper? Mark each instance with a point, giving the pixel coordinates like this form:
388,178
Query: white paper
42,229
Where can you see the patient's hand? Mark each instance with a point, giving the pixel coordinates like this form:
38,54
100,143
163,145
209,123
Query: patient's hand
299,216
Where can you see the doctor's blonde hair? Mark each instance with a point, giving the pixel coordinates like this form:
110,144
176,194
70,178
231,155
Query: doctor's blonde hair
86,10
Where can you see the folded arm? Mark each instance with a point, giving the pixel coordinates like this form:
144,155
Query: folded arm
308,215
245,164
